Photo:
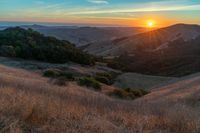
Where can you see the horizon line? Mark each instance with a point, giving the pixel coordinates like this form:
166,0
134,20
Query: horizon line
26,23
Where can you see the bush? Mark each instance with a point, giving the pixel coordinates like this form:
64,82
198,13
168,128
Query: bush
7,51
90,82
53,73
136,92
102,79
68,76
108,75
105,78
119,93
128,93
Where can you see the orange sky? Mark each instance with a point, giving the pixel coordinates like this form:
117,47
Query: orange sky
102,12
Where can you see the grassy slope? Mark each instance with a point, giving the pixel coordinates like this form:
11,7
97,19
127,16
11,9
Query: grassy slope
29,103
134,80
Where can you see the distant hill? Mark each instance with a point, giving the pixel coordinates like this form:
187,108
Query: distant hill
29,44
81,36
179,58
156,39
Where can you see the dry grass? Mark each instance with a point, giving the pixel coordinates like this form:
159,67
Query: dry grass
28,103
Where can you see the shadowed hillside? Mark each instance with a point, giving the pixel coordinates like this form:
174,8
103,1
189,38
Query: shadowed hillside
179,58
29,44
151,40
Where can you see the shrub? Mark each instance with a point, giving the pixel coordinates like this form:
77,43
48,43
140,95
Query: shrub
7,51
136,92
119,93
68,76
108,75
54,73
102,79
128,93
90,82
51,73
105,78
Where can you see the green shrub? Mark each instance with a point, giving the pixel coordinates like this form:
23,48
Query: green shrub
90,82
108,75
8,51
53,73
128,93
102,79
68,76
119,93
105,78
137,92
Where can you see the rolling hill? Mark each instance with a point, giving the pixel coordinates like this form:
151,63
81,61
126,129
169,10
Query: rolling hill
152,40
81,36
179,58
29,103
171,51
29,44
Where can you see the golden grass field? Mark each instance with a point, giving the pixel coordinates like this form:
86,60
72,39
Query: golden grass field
31,104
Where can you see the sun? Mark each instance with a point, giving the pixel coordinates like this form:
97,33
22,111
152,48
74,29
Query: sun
150,23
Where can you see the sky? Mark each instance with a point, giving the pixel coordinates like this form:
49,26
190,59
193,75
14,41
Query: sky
102,12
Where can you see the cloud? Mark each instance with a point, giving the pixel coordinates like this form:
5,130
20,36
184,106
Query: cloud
145,9
98,1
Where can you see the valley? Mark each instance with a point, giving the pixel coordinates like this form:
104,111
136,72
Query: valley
99,66
51,85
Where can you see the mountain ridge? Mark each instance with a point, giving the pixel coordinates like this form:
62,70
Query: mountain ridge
82,35
151,39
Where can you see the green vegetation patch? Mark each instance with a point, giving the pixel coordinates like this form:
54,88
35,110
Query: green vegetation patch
128,93
29,44
106,78
90,82
52,73
55,73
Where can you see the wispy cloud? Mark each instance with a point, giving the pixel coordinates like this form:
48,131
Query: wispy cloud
99,11
98,1
135,10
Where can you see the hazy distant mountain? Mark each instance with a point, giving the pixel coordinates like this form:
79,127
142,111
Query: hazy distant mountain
153,40
81,36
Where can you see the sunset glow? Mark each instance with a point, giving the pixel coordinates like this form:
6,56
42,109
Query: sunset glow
150,23
102,12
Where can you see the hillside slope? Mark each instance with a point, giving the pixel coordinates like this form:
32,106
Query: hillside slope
29,103
85,35
81,36
178,59
134,80
29,44
149,40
